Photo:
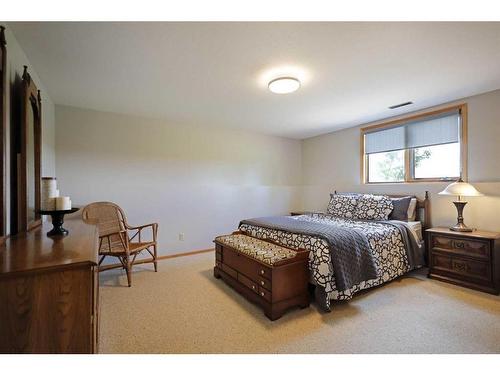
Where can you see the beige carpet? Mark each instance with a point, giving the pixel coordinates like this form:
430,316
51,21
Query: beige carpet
183,309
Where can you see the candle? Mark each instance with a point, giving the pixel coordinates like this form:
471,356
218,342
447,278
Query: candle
63,203
48,194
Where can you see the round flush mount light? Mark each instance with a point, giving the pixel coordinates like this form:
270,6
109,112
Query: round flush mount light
284,85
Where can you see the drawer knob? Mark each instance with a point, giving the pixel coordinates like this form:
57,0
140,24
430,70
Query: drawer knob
262,283
461,266
262,272
460,245
262,294
253,287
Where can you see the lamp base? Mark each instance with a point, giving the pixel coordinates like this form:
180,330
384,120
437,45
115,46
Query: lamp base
460,226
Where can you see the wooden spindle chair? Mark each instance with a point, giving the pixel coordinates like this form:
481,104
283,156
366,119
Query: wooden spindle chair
118,239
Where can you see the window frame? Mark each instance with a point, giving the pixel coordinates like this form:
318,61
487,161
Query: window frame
409,173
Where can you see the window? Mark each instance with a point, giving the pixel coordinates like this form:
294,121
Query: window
425,147
387,166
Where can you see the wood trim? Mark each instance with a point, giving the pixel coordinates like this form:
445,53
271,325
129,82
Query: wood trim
464,142
407,165
362,158
462,108
3,132
162,257
194,252
30,100
421,114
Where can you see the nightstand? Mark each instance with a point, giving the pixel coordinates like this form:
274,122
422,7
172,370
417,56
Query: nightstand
469,259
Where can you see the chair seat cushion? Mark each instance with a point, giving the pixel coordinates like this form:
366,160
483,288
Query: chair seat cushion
263,251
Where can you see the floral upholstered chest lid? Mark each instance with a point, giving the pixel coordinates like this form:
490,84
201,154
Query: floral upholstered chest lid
263,251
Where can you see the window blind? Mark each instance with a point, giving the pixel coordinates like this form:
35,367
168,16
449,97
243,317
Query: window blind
428,131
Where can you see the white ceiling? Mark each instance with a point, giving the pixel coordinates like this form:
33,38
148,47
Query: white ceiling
216,74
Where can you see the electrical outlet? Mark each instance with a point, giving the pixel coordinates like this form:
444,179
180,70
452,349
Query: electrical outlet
181,236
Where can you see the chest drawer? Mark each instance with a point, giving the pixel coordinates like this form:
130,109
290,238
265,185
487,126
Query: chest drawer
250,284
462,267
474,248
266,294
249,267
264,283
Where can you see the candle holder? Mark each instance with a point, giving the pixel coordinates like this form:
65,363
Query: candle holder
58,220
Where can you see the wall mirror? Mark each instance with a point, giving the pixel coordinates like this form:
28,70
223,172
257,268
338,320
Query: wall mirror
27,144
3,124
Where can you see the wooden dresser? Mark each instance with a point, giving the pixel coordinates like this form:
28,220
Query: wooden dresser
470,259
49,291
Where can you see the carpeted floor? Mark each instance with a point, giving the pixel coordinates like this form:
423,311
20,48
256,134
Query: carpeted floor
183,309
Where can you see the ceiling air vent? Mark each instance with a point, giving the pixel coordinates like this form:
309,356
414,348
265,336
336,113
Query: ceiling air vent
400,105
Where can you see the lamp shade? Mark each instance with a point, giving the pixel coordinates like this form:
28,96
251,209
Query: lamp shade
462,189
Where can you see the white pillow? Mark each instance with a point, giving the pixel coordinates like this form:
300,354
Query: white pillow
412,209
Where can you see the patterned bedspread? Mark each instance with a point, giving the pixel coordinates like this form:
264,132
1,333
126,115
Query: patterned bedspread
385,242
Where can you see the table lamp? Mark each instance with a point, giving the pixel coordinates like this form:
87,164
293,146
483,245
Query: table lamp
461,189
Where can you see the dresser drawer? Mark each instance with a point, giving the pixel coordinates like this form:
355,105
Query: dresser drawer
245,265
462,267
470,247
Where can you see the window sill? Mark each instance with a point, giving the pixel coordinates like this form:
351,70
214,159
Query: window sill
419,181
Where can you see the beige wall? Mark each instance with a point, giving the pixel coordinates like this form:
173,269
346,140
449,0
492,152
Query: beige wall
202,182
332,162
189,179
16,59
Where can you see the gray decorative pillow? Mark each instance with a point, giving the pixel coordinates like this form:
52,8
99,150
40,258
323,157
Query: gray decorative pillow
400,210
342,205
373,207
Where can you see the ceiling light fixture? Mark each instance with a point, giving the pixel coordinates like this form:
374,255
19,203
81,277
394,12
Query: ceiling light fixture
284,85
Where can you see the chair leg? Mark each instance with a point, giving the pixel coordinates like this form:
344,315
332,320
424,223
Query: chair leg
101,260
155,258
128,270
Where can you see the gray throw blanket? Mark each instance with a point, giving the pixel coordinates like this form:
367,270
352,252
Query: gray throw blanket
352,259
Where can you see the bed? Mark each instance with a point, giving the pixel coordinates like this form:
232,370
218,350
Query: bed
350,253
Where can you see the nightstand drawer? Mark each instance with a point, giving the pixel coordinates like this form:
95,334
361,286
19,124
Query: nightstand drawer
462,267
468,247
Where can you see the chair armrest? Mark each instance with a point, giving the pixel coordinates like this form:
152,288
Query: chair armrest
129,227
119,233
153,226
